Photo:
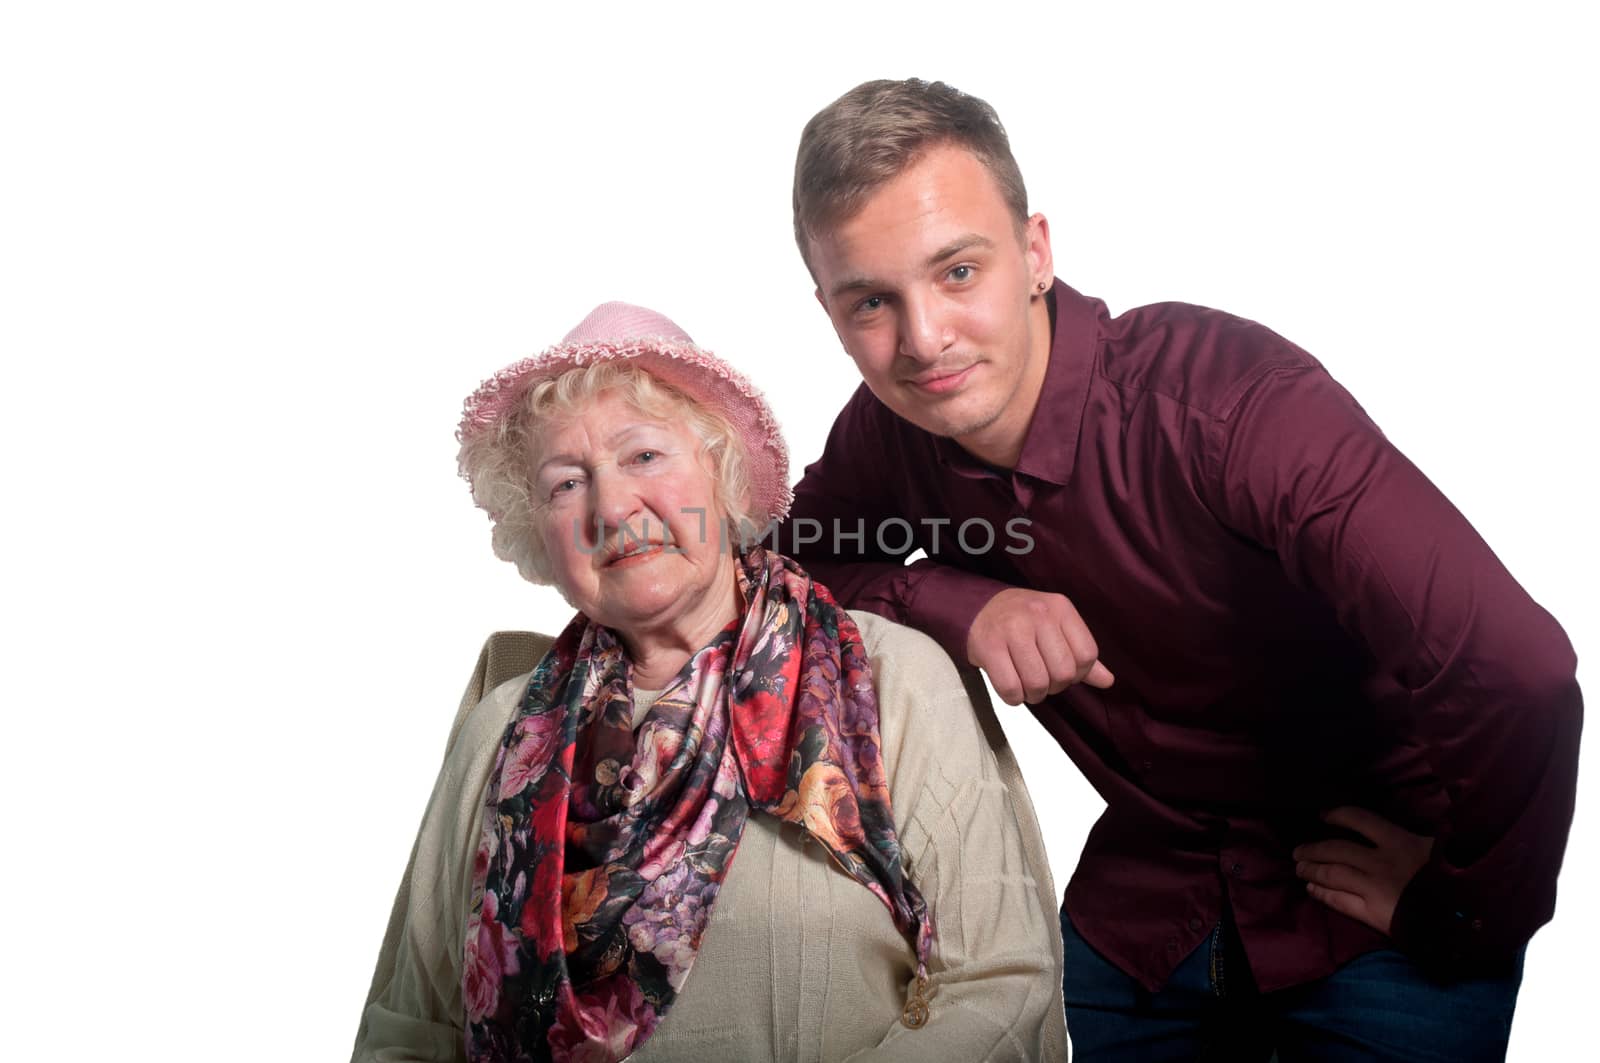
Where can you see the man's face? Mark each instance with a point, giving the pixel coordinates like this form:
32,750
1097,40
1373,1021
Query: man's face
935,295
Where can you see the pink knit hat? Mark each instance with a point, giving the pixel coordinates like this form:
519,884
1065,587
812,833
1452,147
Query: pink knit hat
622,332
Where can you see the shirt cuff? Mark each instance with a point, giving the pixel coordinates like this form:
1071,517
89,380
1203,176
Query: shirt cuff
943,602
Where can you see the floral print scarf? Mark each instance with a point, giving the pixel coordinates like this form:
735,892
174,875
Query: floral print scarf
603,850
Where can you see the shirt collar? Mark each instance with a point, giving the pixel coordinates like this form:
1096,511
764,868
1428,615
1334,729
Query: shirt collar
1050,448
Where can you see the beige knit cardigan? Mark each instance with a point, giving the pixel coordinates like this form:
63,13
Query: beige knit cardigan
799,961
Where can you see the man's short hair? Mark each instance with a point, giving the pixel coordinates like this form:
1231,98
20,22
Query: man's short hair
875,131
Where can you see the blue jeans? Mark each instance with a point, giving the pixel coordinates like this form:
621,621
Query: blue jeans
1376,1007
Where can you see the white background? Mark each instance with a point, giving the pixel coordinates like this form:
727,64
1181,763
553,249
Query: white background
254,256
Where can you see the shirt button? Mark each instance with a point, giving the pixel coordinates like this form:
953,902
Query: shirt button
1195,924
1477,924
1148,765
1236,870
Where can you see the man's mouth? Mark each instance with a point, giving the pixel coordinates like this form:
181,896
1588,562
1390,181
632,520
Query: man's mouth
941,381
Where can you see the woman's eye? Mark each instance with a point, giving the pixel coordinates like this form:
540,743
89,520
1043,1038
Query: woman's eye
644,457
563,487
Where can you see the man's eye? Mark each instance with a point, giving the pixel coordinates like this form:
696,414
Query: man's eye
645,457
564,487
870,303
961,273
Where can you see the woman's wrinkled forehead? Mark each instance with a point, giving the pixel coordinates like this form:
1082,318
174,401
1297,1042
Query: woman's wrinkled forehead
603,422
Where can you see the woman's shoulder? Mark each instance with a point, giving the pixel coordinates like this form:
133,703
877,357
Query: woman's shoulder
487,719
935,718
492,695
496,684
901,646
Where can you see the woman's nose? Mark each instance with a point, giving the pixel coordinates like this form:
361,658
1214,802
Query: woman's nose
615,504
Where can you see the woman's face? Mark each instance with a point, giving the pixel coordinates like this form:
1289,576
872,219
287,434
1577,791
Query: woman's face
627,509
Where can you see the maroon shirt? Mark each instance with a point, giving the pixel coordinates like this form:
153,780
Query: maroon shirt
1296,617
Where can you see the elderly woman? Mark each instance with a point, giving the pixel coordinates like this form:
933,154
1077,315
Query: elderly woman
722,819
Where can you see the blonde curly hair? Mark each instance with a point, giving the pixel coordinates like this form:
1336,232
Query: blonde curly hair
498,461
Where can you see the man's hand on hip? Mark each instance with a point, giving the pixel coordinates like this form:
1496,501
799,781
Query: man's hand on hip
1363,881
1032,644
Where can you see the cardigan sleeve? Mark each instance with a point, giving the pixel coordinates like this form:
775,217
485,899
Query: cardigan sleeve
972,845
414,1012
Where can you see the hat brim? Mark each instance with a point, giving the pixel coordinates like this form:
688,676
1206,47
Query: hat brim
706,379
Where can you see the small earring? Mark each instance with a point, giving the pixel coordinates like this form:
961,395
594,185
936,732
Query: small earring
1043,285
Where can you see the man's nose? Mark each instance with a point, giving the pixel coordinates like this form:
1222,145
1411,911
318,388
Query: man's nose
924,333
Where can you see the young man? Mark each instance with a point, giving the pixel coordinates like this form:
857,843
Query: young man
1337,741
